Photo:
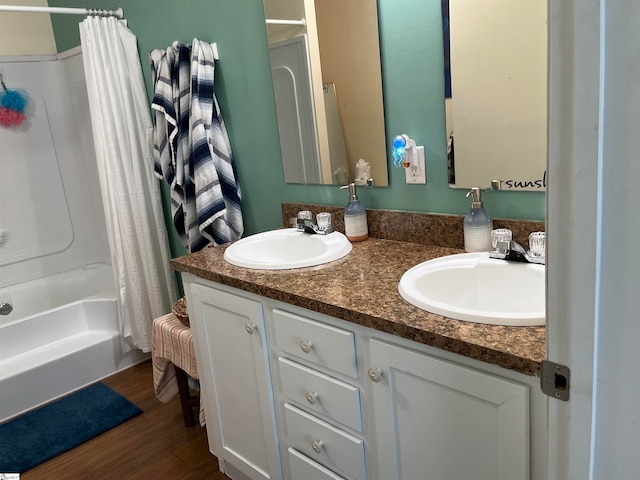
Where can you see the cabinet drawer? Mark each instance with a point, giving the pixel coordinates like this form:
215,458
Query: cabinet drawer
324,443
321,393
324,345
303,467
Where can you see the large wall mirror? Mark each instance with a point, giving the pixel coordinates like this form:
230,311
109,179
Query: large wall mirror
497,96
325,63
326,73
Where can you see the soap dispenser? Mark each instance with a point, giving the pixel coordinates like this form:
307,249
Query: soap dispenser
477,225
355,217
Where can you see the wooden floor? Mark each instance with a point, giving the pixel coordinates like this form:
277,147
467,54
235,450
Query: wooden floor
154,445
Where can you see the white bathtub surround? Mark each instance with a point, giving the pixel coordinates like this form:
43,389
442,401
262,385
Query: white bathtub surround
122,132
62,335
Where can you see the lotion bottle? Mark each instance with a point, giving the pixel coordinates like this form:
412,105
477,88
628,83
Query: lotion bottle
477,225
355,217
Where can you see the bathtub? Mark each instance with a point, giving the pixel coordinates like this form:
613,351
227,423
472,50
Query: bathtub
61,335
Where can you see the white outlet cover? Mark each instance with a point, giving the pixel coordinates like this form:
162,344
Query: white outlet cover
417,175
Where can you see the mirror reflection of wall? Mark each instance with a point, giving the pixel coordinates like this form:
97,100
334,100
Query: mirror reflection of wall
328,89
497,113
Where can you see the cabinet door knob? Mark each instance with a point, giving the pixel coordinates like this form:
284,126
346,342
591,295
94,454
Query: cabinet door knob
250,328
305,346
375,374
317,446
312,397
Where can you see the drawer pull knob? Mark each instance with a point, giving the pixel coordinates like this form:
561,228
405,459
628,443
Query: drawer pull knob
312,397
305,346
250,328
375,374
317,446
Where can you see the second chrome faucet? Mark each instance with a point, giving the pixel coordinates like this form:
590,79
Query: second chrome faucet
505,248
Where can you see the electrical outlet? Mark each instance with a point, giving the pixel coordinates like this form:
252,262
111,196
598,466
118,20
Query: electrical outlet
417,174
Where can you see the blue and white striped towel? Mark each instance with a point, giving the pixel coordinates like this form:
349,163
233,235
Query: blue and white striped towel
217,190
171,77
192,150
166,121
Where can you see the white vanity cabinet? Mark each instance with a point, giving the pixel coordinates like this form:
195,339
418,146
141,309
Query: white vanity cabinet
445,419
294,394
230,342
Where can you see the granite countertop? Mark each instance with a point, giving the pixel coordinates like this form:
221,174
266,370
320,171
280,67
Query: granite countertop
363,288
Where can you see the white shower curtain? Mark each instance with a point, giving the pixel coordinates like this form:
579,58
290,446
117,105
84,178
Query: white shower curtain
122,133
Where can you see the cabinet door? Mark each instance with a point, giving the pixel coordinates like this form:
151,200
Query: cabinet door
233,368
437,420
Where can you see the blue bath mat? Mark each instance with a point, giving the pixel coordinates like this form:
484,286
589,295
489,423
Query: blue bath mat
44,433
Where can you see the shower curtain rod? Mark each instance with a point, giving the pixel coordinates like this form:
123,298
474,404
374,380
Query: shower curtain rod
73,11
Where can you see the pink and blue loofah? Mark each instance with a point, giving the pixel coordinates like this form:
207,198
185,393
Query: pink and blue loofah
12,106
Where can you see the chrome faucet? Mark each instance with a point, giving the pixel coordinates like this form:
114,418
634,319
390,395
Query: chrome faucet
504,248
304,223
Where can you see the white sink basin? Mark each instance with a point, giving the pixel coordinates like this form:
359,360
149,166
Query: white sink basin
287,248
476,288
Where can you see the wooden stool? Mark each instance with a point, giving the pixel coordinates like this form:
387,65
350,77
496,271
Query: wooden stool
188,401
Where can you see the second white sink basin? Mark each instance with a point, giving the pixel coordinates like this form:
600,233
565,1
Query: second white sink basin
287,248
476,288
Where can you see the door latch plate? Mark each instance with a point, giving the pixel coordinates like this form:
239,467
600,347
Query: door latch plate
555,380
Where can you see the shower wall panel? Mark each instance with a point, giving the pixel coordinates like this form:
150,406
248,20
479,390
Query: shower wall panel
51,216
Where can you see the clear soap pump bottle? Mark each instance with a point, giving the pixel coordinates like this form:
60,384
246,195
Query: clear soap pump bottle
355,217
477,225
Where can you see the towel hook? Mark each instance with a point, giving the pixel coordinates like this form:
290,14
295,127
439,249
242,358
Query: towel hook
2,82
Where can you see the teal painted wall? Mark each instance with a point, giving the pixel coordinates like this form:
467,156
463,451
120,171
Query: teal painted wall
411,50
